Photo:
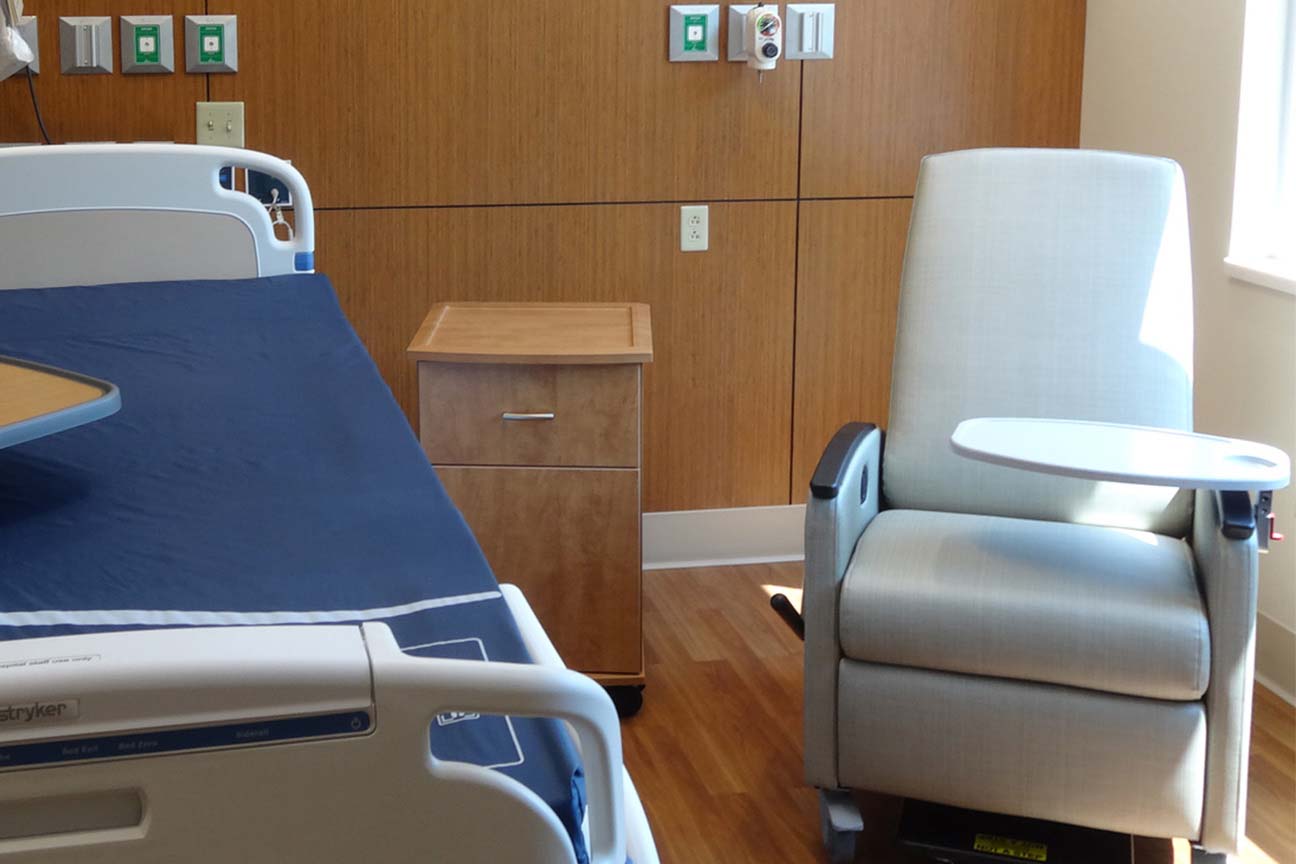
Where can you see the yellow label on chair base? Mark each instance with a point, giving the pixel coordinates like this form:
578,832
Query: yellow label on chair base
1026,850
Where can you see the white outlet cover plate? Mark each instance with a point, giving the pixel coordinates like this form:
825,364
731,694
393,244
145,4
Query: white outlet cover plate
738,29
711,11
220,124
29,32
695,228
810,30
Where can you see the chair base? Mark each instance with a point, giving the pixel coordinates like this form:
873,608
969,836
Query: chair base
1201,856
839,824
956,835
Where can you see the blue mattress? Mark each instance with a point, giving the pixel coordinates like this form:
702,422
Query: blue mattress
259,471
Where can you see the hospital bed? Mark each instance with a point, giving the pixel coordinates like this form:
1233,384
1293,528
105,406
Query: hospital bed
158,700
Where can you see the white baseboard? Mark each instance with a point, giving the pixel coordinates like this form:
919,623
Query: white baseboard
1273,687
714,538
1276,657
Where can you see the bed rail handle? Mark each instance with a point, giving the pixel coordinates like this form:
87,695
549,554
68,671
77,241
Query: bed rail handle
520,690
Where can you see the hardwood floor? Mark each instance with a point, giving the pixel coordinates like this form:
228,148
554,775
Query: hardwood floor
716,751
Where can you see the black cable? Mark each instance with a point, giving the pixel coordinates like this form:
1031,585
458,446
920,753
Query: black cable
40,121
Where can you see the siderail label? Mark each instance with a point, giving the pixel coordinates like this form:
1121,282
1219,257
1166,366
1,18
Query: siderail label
135,744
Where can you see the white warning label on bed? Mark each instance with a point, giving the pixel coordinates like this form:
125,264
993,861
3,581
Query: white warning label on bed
42,662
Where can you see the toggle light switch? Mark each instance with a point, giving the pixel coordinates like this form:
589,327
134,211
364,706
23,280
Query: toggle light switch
85,45
220,124
810,30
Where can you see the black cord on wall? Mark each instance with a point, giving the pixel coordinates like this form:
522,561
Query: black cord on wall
40,121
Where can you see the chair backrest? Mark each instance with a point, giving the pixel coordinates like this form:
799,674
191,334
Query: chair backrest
1040,283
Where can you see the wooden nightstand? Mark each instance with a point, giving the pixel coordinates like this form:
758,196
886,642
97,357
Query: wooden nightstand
531,414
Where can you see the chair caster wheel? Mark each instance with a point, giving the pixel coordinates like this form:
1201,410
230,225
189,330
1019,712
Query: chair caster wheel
840,846
627,699
839,824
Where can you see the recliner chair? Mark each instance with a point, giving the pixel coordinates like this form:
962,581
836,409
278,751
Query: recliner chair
1007,641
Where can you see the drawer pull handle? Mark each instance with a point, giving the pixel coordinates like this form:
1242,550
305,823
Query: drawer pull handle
547,415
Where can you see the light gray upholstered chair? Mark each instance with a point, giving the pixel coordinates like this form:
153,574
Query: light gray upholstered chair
1013,642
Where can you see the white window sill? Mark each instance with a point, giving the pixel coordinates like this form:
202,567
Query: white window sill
1265,272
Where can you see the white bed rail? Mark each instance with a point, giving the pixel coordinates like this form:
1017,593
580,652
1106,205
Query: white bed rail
169,217
420,690
158,746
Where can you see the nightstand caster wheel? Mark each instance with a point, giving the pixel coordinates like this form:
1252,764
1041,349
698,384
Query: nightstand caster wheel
628,700
839,824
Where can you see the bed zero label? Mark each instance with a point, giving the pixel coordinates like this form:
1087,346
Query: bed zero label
1026,850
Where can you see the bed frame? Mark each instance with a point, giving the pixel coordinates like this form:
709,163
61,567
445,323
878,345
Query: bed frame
104,213
171,217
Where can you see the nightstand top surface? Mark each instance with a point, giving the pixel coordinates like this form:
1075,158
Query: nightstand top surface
539,333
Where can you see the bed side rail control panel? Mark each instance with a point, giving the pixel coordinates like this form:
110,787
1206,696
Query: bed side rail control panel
148,693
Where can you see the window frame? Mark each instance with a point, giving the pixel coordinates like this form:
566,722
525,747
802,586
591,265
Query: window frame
1262,248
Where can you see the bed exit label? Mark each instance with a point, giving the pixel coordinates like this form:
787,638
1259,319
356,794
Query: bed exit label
135,744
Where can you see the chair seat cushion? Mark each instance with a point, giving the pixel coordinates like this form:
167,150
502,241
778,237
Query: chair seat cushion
1101,608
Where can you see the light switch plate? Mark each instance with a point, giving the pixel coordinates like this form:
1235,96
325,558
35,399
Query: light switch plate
694,33
220,124
29,32
85,45
810,31
147,44
211,43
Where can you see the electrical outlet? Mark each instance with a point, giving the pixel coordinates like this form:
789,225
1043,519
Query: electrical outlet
220,124
695,228
27,29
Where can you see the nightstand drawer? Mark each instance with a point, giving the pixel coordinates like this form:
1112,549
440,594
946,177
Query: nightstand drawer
569,538
506,414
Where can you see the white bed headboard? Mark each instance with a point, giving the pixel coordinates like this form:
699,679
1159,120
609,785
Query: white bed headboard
79,214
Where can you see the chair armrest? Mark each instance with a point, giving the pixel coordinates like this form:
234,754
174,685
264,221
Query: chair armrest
845,496
1236,515
1227,562
838,458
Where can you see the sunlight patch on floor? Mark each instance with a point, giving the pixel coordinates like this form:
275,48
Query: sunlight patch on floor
1253,854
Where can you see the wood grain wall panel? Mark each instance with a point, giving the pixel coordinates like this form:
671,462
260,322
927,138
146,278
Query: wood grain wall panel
717,405
113,107
913,77
504,101
848,285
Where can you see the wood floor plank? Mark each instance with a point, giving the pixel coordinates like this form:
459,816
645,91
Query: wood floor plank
716,750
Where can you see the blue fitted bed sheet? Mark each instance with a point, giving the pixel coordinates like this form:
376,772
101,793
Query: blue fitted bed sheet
259,471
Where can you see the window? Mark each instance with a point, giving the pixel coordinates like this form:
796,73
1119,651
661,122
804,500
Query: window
1263,245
